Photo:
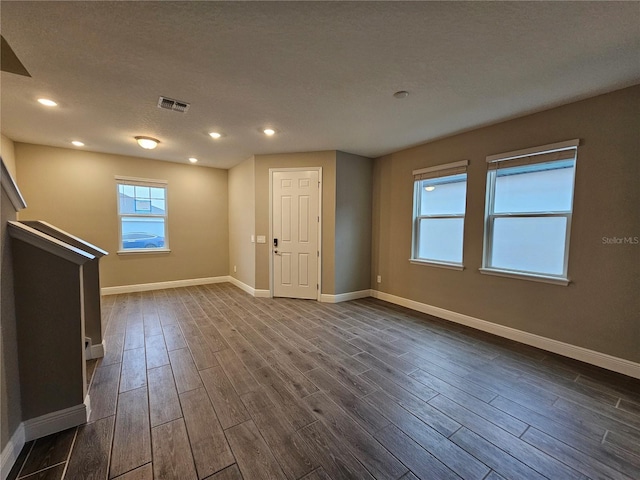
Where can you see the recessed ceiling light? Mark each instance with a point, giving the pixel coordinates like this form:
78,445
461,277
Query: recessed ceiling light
77,143
430,188
148,143
215,135
401,94
193,160
47,103
269,131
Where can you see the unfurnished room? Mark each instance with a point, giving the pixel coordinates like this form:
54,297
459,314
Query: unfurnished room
311,240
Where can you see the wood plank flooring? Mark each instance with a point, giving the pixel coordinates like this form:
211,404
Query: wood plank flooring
207,382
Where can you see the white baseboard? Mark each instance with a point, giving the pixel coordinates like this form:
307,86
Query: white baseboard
250,290
94,351
55,421
145,287
87,404
242,286
40,427
603,360
344,297
11,451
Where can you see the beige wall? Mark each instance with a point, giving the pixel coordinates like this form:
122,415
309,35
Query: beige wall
242,222
75,190
326,160
353,222
599,309
7,152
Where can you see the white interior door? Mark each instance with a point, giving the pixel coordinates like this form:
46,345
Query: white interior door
295,223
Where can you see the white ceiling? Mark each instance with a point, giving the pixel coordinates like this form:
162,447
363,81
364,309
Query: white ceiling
321,73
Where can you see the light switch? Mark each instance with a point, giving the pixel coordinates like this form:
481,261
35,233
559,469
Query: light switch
262,239
253,239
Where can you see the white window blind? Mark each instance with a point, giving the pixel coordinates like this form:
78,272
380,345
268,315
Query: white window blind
528,212
438,214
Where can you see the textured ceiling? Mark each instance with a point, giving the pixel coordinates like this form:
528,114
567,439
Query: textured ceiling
321,73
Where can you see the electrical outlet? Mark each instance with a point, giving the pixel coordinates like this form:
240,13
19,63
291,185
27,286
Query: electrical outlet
379,278
234,269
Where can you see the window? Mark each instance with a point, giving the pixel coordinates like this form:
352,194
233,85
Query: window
528,212
440,195
142,215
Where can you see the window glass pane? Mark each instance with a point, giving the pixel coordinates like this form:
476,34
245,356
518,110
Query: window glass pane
127,203
441,239
143,206
545,187
143,232
157,193
529,244
142,192
443,196
126,200
157,207
127,190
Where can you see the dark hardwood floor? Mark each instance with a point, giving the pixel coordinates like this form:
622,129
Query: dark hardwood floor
209,383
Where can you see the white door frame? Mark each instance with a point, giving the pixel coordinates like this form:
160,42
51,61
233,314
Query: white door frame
295,169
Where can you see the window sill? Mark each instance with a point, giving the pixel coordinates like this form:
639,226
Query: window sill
526,276
145,251
429,263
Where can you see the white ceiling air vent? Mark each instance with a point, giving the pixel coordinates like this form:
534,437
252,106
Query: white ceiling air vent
171,104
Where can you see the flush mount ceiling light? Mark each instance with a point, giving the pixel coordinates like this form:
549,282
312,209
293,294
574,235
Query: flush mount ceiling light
401,94
269,132
215,135
77,143
193,159
47,103
430,188
148,143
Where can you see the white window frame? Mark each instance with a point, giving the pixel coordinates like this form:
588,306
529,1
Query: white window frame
438,171
143,182
544,154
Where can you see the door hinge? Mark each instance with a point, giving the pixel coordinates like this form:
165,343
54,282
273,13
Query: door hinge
318,254
317,286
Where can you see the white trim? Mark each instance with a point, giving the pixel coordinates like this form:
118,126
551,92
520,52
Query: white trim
525,276
11,451
87,404
143,251
344,297
145,287
11,187
616,364
242,286
50,244
250,290
432,263
552,147
55,421
94,351
145,181
446,166
56,232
